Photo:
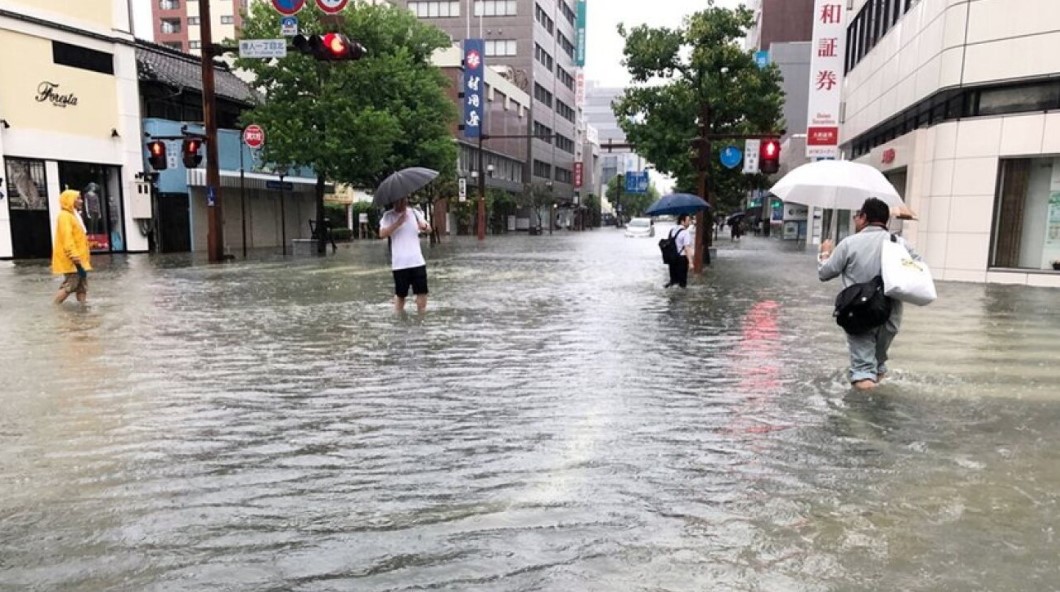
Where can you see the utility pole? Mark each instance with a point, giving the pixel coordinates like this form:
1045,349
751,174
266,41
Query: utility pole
619,185
481,190
215,228
704,231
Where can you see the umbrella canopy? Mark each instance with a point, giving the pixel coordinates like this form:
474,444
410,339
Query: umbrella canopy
402,184
835,184
735,217
676,203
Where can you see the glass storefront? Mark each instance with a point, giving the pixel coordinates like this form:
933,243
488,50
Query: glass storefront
27,202
100,188
1026,232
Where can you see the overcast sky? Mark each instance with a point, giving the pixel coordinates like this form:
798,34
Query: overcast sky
604,45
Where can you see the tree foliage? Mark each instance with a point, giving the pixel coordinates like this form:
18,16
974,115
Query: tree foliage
677,71
356,121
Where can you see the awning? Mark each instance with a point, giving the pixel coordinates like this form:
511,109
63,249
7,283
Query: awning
259,181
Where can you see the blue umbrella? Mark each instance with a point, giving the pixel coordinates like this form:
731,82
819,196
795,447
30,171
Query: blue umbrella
676,203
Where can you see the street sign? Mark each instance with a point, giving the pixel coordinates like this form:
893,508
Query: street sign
332,6
762,58
254,136
750,156
288,26
636,182
462,183
262,48
288,7
211,196
474,85
288,186
731,157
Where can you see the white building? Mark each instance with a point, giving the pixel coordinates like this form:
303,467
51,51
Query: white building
958,103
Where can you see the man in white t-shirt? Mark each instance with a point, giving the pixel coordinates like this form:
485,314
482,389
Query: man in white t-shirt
403,226
683,242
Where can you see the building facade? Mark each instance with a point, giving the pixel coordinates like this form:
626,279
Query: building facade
958,104
533,42
69,118
780,21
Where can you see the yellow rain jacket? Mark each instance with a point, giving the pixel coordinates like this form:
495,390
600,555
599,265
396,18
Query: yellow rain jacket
70,240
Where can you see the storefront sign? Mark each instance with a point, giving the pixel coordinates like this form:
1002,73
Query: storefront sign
579,171
888,156
474,81
49,91
579,88
826,79
579,34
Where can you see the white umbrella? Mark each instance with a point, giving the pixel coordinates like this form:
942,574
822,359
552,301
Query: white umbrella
835,184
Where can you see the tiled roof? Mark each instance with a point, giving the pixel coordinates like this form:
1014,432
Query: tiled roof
158,63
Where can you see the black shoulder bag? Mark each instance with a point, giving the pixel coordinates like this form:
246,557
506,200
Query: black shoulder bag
862,307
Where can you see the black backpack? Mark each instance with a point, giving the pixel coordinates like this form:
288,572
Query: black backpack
862,307
668,246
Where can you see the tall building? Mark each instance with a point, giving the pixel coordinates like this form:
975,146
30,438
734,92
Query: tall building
533,43
69,119
177,22
599,113
958,104
780,21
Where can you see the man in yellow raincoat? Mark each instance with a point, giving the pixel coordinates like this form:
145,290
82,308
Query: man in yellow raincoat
70,254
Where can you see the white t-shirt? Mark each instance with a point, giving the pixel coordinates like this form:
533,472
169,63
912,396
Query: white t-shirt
682,240
405,241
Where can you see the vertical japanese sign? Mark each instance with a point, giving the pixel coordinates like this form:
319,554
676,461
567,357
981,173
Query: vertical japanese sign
579,88
579,33
474,83
826,79
579,172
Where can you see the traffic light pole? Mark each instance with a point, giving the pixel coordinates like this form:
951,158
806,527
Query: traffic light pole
481,190
215,229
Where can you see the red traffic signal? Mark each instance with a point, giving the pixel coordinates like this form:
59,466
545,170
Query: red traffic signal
190,152
769,156
331,47
156,155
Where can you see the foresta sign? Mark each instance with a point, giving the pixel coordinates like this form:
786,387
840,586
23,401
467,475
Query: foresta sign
49,91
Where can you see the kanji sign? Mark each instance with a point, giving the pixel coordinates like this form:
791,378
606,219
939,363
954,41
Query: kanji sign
332,6
262,48
826,79
474,83
254,136
750,156
579,33
288,7
579,172
637,182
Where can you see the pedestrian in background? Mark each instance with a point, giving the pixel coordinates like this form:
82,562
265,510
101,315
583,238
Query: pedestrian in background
403,226
857,260
70,252
682,242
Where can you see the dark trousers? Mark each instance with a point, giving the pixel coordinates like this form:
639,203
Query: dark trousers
679,272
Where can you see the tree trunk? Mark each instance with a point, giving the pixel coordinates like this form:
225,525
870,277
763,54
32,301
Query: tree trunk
322,231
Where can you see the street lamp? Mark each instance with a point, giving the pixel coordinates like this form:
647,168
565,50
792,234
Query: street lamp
551,208
281,171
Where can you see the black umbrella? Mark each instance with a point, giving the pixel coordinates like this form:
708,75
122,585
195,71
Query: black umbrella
402,184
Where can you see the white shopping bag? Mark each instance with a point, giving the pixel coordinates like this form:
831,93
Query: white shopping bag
904,278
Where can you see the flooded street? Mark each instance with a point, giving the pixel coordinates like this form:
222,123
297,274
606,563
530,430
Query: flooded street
557,421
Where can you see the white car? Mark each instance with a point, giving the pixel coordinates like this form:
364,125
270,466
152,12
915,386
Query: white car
640,227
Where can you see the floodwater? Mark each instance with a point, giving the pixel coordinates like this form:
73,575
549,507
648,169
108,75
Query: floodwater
556,421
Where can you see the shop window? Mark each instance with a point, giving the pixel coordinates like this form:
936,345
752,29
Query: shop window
1019,99
26,185
1027,216
100,188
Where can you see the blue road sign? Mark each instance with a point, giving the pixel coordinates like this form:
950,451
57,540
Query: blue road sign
288,7
276,185
211,196
636,182
731,157
762,58
288,26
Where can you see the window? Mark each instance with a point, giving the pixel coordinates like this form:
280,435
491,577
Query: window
563,175
568,13
495,7
543,131
872,22
566,46
565,111
501,47
542,95
100,188
564,143
543,18
542,169
76,56
543,56
169,4
170,26
1039,97
193,20
228,20
435,9
194,45
177,45
565,78
1026,231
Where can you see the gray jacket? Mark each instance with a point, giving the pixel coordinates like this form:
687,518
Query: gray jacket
857,259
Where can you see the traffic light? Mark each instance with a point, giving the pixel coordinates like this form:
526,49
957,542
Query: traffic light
190,152
769,156
330,47
156,152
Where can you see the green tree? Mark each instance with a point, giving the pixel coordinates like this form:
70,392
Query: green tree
354,122
698,64
633,204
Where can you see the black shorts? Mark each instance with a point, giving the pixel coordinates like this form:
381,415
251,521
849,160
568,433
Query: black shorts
416,277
